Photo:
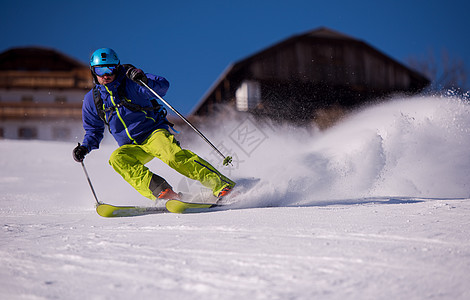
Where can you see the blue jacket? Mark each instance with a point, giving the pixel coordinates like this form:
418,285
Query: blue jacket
126,126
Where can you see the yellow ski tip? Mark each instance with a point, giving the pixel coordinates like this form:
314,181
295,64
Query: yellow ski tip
179,207
105,210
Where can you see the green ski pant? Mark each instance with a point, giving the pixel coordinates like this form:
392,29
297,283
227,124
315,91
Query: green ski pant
129,161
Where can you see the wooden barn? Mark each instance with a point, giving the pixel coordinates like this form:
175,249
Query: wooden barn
41,93
300,78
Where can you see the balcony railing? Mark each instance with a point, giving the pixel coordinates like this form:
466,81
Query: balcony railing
33,110
79,79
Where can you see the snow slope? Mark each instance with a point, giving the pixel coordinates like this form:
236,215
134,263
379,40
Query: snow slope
374,208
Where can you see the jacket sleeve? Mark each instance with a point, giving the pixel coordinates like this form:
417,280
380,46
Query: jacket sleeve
93,125
157,83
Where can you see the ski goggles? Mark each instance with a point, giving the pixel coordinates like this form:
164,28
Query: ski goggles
105,70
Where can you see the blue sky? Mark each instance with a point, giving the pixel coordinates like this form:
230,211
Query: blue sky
192,42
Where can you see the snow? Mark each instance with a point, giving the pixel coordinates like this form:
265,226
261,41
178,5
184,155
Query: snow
374,208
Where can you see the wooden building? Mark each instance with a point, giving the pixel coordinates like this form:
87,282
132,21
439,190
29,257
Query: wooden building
306,74
41,94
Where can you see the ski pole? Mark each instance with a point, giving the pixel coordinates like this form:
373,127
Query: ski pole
227,159
89,182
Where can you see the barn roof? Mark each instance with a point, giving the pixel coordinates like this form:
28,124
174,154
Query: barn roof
37,59
321,33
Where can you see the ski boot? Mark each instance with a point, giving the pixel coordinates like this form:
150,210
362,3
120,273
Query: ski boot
169,194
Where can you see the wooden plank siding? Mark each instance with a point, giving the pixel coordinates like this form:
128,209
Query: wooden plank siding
37,111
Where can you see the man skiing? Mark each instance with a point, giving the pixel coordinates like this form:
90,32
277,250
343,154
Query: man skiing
139,126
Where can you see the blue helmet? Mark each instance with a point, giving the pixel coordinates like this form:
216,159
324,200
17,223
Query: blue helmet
104,56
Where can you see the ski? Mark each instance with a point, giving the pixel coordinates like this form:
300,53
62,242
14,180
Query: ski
179,207
172,206
109,211
193,204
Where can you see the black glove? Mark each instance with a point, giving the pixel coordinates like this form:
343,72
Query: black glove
79,153
135,74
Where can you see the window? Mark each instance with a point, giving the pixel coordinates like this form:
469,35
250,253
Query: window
61,133
60,99
248,95
27,98
27,133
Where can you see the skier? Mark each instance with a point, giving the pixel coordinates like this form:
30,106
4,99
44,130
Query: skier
139,126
